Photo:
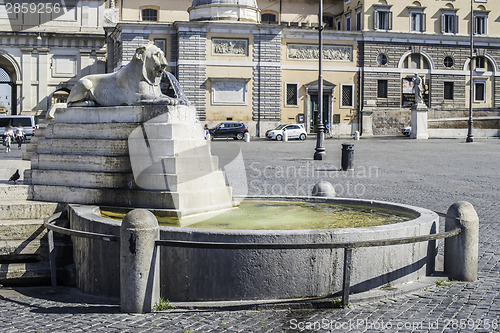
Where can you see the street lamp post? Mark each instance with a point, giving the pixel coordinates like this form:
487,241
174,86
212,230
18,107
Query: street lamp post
320,153
470,137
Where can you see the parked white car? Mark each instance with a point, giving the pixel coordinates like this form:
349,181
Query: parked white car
293,131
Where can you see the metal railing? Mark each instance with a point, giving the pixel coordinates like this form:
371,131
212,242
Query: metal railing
347,246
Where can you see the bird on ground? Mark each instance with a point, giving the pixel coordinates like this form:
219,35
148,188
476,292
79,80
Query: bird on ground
15,176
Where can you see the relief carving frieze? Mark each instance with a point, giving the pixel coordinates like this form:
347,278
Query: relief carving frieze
311,52
225,46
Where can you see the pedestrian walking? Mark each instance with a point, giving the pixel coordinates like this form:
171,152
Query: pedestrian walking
7,138
20,136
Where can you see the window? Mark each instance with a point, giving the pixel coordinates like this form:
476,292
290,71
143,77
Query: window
359,18
339,23
481,24
448,62
292,94
328,21
149,14
417,21
416,61
448,90
268,18
480,62
449,22
383,18
347,95
479,91
161,44
348,22
382,59
336,118
382,87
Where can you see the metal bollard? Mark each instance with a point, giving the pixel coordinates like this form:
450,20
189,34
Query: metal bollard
246,137
347,156
356,135
461,251
139,262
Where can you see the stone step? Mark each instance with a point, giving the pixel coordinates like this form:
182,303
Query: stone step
20,209
191,202
77,163
12,251
148,181
9,167
27,274
9,191
21,229
26,156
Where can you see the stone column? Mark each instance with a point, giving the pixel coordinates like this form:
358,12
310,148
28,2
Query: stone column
139,262
44,74
26,93
461,251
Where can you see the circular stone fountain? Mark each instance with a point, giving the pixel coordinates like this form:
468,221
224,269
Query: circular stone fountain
221,274
153,154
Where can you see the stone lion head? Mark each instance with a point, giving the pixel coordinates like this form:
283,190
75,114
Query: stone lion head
153,63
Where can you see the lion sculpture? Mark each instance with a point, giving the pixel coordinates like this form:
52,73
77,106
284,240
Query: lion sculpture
138,82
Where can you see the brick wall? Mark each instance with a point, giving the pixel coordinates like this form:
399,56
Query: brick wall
191,68
267,77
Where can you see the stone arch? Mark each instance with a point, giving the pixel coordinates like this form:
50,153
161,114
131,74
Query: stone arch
11,70
422,53
488,57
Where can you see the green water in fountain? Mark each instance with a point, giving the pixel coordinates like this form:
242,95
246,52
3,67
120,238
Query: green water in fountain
283,215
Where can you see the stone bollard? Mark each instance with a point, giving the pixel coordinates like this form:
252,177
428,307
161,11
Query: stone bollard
323,189
461,251
246,137
285,136
139,262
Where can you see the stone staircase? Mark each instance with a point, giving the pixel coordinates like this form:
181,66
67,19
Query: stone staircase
24,248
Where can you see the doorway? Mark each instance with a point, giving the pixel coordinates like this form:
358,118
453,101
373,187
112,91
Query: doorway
314,115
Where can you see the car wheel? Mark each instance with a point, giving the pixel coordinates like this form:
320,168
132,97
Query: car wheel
239,136
302,137
279,137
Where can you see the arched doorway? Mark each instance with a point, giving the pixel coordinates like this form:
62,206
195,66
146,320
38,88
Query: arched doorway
10,74
7,93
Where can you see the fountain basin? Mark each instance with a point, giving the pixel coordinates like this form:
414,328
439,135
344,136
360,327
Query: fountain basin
219,274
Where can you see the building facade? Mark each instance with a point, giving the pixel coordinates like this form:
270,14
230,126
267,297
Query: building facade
262,69
45,47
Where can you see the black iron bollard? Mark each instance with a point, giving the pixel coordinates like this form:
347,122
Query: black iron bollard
347,156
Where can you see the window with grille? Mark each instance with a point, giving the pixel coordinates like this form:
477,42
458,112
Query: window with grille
480,91
382,87
448,90
292,94
268,18
149,14
448,62
347,95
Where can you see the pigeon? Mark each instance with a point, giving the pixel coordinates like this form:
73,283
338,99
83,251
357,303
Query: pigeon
15,176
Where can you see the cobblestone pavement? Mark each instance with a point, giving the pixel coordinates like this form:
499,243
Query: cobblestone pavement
431,174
